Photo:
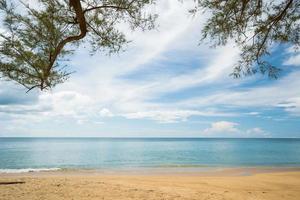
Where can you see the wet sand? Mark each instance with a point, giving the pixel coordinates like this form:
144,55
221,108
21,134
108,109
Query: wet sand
247,183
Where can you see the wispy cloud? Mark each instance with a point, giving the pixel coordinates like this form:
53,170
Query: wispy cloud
293,57
171,116
269,96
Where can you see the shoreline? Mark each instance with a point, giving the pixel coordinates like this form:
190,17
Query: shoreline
180,171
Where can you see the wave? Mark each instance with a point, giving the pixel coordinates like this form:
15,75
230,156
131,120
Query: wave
26,170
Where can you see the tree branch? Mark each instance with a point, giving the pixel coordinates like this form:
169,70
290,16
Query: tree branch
271,24
76,5
109,6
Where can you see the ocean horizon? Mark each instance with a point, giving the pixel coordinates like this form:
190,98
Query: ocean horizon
43,154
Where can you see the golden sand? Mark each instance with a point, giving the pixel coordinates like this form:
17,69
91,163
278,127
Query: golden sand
97,186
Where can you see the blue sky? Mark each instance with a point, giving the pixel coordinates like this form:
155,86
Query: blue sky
163,85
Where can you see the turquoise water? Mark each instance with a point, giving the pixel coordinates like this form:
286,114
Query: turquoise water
99,153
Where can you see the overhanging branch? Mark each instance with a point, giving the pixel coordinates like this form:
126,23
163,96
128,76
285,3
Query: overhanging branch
76,5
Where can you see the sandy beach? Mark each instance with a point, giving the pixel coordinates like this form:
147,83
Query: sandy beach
224,184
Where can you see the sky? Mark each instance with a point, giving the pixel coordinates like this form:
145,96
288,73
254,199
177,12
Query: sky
164,85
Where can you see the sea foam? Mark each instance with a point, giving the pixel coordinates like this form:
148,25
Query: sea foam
28,170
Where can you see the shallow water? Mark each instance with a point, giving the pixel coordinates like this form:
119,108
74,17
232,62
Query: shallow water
122,153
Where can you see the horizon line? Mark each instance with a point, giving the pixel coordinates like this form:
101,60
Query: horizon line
74,137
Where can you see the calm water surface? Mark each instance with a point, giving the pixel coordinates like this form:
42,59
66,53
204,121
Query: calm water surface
99,153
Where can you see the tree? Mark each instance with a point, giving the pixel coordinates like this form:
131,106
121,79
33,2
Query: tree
35,44
254,25
36,40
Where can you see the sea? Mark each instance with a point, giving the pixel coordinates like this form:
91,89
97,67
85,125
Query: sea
42,154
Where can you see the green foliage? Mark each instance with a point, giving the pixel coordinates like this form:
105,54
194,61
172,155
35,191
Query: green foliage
36,41
254,25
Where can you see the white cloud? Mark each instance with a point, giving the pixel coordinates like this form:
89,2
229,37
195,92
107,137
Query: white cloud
270,96
256,132
221,127
66,103
171,116
293,60
291,105
216,71
106,113
293,56
231,129
252,113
